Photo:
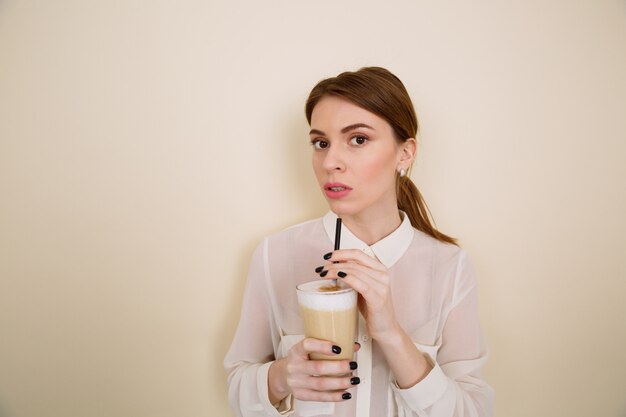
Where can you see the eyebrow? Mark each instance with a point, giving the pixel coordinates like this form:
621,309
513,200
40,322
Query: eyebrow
344,130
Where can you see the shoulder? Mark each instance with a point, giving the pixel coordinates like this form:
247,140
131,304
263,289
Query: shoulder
450,263
285,242
299,235
299,229
293,251
440,252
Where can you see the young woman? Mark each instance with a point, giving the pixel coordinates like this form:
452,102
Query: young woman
419,350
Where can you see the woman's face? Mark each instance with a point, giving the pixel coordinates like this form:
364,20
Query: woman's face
356,158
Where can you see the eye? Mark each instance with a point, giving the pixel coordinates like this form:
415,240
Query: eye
319,144
358,140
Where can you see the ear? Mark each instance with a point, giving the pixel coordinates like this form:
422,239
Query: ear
407,151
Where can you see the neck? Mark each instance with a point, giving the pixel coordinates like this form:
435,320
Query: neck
371,227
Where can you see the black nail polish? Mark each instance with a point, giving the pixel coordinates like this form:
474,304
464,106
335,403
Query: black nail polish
355,380
342,274
324,273
336,349
353,365
328,255
358,344
346,395
319,269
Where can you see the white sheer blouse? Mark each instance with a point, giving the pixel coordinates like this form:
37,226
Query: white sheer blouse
434,294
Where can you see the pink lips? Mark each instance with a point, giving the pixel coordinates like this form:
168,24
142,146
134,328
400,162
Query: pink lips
336,190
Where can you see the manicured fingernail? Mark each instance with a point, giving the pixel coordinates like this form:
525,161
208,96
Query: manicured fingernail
355,380
319,269
336,349
324,273
353,365
328,255
358,344
346,396
342,274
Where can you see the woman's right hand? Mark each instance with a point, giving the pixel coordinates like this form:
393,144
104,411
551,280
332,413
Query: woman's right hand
311,380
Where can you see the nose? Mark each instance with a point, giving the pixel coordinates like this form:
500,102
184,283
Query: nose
334,160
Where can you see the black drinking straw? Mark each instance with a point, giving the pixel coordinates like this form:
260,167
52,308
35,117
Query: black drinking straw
337,238
337,233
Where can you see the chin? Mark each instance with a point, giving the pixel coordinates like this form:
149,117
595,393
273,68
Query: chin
342,208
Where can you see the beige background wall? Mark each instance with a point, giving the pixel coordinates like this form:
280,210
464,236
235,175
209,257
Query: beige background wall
147,146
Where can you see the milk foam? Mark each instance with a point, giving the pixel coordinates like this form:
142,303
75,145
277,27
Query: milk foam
310,296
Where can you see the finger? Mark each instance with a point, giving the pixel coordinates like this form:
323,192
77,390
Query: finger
336,271
324,367
328,383
362,282
321,396
374,291
355,255
330,270
367,291
357,346
311,345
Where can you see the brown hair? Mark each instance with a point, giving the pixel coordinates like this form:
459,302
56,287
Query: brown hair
377,90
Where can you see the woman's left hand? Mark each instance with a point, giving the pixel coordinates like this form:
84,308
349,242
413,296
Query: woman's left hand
370,279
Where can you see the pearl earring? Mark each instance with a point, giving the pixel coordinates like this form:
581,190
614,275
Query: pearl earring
402,172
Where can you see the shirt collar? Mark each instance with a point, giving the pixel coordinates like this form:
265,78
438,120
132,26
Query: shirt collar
388,250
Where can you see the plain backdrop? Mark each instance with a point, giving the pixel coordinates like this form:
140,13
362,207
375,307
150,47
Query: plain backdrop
146,147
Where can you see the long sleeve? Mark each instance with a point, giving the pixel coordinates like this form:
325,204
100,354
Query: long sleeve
251,352
435,298
454,387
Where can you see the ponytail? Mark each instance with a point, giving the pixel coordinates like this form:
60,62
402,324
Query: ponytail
410,201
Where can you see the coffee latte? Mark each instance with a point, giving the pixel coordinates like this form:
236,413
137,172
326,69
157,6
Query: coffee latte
329,314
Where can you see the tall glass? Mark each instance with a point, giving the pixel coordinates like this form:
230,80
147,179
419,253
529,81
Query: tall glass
329,313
